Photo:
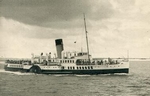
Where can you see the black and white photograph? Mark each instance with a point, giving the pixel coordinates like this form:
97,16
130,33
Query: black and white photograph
74,48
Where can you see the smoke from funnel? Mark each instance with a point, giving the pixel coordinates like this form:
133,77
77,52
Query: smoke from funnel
59,47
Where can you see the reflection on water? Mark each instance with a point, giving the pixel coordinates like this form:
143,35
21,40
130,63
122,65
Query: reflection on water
136,83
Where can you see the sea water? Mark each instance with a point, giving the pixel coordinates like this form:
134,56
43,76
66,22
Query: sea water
136,83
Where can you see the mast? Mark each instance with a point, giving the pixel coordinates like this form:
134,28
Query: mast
86,39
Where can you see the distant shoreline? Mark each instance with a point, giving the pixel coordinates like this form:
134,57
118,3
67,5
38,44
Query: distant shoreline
130,59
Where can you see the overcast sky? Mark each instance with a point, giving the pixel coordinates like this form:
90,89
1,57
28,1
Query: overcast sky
114,27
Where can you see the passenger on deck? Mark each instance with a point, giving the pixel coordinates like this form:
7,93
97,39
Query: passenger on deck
117,62
105,61
109,61
101,62
98,62
93,62
82,62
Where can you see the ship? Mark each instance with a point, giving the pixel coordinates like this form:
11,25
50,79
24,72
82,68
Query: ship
69,62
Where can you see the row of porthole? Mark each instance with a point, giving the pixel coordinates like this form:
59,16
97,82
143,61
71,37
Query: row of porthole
66,61
50,67
114,66
83,67
63,61
15,66
51,60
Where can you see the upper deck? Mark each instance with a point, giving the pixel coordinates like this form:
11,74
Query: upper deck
73,59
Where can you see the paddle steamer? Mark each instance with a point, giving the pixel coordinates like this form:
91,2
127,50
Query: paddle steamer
70,62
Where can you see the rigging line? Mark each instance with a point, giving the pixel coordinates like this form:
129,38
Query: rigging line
81,38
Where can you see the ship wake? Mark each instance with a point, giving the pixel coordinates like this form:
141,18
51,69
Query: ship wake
16,73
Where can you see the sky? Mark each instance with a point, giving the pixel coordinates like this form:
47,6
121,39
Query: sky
115,27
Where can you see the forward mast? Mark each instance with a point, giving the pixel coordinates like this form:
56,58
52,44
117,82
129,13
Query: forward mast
87,43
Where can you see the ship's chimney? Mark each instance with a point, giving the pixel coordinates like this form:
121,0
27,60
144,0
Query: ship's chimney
59,47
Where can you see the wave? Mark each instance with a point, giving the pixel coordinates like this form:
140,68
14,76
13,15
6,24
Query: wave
16,73
59,75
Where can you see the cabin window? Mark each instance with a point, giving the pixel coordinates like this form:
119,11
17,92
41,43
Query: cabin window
73,68
85,67
60,61
68,67
91,67
82,67
77,67
88,67
79,54
68,61
73,61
